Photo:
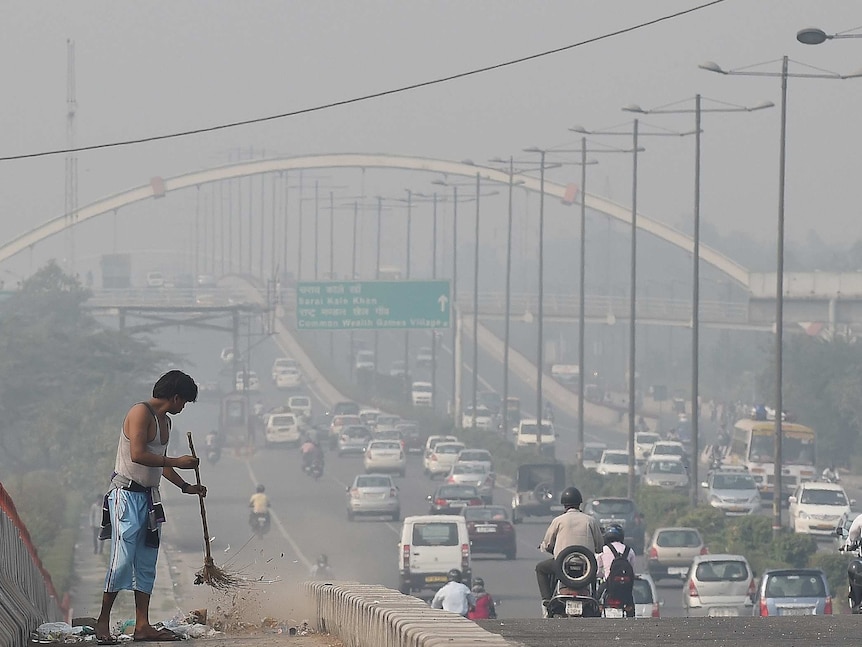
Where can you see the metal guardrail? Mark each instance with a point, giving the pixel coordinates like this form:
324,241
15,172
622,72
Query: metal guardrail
27,596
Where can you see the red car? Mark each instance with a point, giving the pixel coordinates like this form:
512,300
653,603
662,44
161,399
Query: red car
490,530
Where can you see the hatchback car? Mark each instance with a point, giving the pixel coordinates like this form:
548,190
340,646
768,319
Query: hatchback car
490,530
793,592
450,499
353,440
300,405
385,456
593,454
386,422
281,363
369,416
477,456
672,551
441,458
666,472
618,510
732,492
483,418
718,586
288,379
665,448
339,423
373,494
817,508
647,604
644,441
476,474
615,461
412,437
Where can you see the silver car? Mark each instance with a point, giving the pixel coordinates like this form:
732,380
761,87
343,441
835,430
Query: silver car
719,586
373,494
666,472
732,492
474,473
793,592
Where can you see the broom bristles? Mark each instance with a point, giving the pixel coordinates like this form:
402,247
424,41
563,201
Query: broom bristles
213,576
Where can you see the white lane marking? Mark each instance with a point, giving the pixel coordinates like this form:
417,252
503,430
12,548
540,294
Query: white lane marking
306,562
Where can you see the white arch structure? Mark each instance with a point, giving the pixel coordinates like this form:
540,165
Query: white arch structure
160,186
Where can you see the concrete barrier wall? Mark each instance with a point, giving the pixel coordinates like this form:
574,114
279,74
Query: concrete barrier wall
370,615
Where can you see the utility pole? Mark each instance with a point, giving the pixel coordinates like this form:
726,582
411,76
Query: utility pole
71,190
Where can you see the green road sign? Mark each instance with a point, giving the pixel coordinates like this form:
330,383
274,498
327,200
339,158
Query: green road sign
346,305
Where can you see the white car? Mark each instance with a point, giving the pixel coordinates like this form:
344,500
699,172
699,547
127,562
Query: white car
369,416
386,422
421,394
385,456
666,472
288,378
155,280
484,419
478,474
818,508
365,361
423,357
644,442
440,459
253,383
593,454
615,461
300,405
732,492
668,448
530,435
477,456
282,363
282,428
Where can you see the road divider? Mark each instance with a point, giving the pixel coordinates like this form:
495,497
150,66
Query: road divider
361,615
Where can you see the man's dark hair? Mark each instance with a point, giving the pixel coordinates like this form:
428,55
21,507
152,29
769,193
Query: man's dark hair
176,383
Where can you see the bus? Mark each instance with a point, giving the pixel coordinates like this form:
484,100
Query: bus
752,445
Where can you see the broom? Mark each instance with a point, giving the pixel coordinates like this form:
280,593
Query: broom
210,574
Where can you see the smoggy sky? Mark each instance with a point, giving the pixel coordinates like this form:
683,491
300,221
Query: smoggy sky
151,68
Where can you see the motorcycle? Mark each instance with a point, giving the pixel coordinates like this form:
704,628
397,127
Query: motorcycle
314,468
259,523
575,596
854,571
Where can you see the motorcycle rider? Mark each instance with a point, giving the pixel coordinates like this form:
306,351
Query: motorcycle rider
572,528
454,596
213,444
484,608
311,452
830,474
614,536
259,504
321,569
854,569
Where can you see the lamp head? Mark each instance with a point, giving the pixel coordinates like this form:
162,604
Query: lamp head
633,107
812,36
579,129
712,66
533,149
762,105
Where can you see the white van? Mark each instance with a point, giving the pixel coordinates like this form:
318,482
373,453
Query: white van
430,546
527,437
282,428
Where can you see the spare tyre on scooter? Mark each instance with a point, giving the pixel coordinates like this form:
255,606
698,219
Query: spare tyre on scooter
576,593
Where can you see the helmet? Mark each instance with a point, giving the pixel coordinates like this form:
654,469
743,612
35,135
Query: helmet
478,584
322,560
613,533
260,488
454,575
571,497
854,572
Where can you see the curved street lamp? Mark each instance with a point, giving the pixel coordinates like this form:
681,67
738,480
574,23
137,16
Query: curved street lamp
815,36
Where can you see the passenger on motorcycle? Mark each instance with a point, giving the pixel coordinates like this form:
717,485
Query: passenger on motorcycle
572,528
454,596
321,569
259,504
614,538
485,608
311,451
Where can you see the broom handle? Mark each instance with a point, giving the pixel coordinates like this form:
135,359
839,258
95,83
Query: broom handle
201,498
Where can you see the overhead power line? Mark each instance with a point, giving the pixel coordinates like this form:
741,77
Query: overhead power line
366,97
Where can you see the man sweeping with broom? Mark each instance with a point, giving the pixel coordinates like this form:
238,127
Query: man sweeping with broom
133,509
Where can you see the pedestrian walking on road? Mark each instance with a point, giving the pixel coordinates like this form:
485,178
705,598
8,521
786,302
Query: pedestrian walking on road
133,505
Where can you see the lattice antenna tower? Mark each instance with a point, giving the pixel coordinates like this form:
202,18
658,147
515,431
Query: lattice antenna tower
71,193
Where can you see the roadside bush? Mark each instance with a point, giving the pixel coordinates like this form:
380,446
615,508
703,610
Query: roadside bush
660,507
711,523
748,534
792,548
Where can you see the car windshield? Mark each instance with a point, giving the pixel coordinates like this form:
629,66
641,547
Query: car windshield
435,533
530,429
642,592
357,432
447,448
721,571
421,388
474,456
733,482
647,438
391,434
620,507
593,453
681,538
282,421
672,450
469,468
484,513
795,585
457,492
615,458
816,496
665,467
373,481
385,444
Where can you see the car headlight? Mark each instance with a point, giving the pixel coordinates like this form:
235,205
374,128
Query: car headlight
715,499
803,515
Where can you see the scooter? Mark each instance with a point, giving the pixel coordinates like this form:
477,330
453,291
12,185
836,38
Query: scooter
259,523
314,468
575,596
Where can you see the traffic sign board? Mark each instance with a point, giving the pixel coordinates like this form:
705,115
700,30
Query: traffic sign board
346,305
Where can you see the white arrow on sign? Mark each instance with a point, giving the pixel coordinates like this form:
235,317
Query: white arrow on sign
443,300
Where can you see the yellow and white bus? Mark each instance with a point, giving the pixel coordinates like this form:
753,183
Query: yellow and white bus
752,445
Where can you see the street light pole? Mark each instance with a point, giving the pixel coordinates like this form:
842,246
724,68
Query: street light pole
407,276
476,306
582,322
695,299
779,279
633,310
434,332
505,403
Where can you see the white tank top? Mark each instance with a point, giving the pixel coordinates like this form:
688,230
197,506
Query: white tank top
143,474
